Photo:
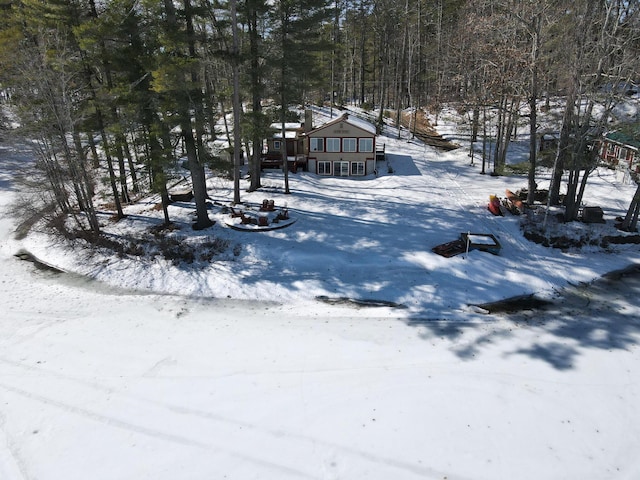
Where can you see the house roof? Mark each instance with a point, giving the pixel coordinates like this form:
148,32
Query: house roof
291,130
287,134
623,139
356,122
287,126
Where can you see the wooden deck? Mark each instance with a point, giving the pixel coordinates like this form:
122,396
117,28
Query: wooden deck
296,163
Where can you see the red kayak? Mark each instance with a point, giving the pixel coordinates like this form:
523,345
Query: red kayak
494,205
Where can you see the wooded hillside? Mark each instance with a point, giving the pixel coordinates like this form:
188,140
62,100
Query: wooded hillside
106,86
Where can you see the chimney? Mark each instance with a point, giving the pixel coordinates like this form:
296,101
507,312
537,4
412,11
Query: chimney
308,121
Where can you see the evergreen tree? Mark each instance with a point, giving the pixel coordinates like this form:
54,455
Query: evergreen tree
257,124
295,38
177,79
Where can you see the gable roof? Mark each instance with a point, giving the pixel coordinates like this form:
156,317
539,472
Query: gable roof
356,122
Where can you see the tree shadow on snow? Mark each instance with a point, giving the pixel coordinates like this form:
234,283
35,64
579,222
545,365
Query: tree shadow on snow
603,315
401,164
14,160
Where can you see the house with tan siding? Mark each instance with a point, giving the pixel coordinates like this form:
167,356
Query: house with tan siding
343,147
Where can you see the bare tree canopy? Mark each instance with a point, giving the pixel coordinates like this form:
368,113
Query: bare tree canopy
119,90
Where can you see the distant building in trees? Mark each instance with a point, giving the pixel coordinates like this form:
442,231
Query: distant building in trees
621,151
549,141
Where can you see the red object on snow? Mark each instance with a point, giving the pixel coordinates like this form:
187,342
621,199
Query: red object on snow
494,205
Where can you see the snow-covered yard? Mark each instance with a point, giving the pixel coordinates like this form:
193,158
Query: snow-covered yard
367,238
234,369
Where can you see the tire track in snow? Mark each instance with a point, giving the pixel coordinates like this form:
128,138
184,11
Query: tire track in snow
101,418
153,433
11,465
224,427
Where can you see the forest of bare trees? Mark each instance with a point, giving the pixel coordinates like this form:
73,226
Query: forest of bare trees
114,91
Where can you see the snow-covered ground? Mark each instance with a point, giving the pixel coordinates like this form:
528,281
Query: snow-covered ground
365,238
233,369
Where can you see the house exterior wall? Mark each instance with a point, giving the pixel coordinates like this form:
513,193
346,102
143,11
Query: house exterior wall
616,154
341,148
295,145
548,141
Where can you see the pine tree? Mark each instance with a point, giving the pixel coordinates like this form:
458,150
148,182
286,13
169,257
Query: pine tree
295,38
257,123
177,79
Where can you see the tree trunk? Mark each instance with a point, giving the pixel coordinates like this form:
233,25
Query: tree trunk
363,54
158,176
533,112
500,136
195,90
90,185
196,167
79,179
380,125
198,179
283,100
630,221
563,148
509,119
131,164
53,173
583,186
475,121
122,177
254,164
484,139
112,174
400,77
285,161
237,143
571,209
94,151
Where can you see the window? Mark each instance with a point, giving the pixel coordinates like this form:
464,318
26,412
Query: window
316,145
341,169
366,144
277,145
357,168
333,144
324,168
348,144
622,154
